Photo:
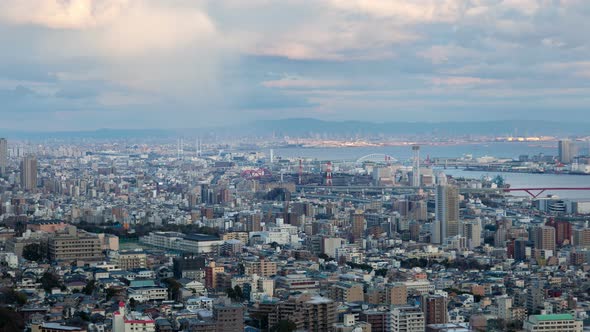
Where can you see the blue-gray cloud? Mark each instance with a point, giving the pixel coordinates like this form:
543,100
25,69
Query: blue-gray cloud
148,63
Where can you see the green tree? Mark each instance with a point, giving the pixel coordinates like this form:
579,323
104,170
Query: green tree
89,288
10,320
173,288
284,326
34,252
50,280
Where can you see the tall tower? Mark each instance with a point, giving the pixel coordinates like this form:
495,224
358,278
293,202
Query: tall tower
28,173
329,173
416,166
3,156
300,170
447,211
565,151
272,156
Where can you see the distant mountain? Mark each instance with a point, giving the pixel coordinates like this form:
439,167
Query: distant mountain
307,127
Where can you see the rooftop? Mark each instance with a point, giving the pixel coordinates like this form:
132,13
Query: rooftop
554,317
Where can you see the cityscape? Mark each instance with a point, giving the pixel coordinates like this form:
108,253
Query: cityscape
294,166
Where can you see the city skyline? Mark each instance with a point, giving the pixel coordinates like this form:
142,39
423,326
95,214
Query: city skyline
84,64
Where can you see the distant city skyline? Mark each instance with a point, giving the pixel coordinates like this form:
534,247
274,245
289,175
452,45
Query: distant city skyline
89,64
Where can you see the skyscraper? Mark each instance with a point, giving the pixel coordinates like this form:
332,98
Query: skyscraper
447,211
545,238
357,221
3,156
28,173
435,309
565,151
472,232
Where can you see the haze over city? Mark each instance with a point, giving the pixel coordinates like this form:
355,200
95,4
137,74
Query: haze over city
89,64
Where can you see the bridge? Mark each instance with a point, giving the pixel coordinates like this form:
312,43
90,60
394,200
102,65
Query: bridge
377,157
533,192
384,190
536,192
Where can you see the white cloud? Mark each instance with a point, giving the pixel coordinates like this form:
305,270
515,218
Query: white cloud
62,14
304,83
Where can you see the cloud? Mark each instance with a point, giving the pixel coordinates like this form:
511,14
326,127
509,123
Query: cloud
303,83
463,81
62,14
175,62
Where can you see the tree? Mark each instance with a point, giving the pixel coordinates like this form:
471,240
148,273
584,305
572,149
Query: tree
34,252
284,326
49,281
236,293
10,320
10,296
173,288
89,288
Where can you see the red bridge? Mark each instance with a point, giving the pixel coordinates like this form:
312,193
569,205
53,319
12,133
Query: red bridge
536,192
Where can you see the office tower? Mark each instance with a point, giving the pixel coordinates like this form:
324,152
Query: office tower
357,221
229,317
396,294
520,249
535,296
503,308
3,156
582,238
447,211
566,151
471,230
544,237
416,166
563,232
28,173
211,275
435,309
407,319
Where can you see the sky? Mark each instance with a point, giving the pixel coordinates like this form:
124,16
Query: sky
89,64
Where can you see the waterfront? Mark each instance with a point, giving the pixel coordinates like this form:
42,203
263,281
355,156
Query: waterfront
499,149
403,153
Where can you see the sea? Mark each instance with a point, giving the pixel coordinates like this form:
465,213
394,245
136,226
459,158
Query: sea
496,149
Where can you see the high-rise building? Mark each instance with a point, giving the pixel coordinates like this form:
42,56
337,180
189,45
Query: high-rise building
471,230
28,173
229,317
520,249
544,237
407,319
563,232
535,296
435,309
211,274
357,221
565,150
582,237
503,307
447,211
3,156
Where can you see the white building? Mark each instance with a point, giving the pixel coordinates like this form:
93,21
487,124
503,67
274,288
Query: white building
144,294
132,322
407,319
553,323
